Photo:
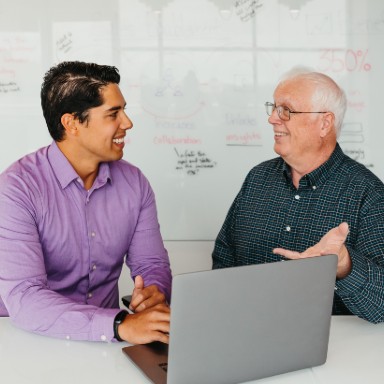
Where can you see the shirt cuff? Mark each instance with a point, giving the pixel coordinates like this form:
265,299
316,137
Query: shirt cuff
356,280
102,324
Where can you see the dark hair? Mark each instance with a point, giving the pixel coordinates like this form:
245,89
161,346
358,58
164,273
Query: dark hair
73,87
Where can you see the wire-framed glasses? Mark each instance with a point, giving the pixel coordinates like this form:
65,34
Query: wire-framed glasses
283,111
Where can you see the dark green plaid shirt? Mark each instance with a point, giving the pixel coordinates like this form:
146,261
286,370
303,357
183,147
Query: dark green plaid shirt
270,212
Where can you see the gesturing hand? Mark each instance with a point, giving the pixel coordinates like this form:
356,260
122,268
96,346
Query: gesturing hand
331,243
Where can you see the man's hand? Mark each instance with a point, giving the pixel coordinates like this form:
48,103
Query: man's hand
145,297
149,325
331,243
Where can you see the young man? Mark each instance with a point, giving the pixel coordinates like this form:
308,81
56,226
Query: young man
73,211
312,198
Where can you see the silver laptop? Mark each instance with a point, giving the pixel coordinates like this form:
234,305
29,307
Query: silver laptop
244,323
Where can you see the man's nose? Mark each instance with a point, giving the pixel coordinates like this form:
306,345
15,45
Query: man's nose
126,122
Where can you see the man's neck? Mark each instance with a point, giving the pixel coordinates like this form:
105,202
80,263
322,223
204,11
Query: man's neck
302,168
87,171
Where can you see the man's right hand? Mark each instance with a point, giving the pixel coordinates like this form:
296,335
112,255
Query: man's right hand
149,325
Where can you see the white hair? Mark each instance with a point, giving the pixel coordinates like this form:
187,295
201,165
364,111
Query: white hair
328,96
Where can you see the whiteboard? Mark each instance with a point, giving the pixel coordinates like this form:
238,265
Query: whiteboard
195,75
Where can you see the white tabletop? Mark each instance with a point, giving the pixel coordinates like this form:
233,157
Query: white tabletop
355,355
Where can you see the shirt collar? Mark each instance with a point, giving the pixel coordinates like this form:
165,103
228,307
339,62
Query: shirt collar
65,173
320,174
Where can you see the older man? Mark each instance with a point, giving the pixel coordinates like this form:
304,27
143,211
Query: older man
312,199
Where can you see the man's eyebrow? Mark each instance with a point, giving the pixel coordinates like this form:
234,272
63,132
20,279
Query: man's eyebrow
116,108
285,105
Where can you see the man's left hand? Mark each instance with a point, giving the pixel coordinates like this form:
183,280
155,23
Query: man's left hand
145,297
331,243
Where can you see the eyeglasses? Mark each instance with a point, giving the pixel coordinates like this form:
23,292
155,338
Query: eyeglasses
283,111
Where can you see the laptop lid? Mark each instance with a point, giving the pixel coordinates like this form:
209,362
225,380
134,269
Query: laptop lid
244,323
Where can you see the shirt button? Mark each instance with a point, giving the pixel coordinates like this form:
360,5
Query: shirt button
103,338
93,234
314,187
68,337
288,228
94,267
335,288
90,295
297,197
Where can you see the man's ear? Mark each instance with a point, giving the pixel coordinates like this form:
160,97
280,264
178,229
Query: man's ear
328,124
69,123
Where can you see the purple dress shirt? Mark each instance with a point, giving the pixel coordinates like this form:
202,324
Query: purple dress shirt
62,247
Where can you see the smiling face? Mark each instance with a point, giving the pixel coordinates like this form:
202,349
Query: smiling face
98,139
299,141
101,137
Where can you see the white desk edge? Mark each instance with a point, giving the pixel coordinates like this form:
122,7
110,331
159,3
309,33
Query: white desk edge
355,355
